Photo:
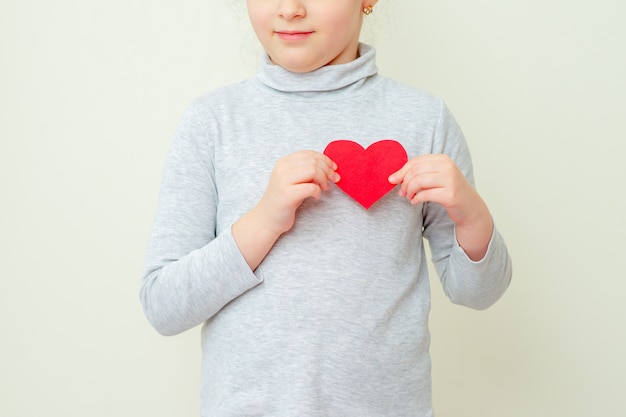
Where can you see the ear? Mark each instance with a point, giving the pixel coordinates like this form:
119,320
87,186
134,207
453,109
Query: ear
368,4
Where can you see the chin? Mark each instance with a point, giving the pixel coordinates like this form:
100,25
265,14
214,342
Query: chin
298,66
301,69
294,64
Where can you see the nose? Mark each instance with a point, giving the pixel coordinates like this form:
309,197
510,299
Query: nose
291,9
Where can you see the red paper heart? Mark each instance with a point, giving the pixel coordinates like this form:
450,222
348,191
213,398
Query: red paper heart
365,172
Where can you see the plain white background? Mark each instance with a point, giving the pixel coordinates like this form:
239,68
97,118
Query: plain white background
91,92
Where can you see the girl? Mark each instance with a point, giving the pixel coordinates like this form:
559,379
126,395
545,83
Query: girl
310,304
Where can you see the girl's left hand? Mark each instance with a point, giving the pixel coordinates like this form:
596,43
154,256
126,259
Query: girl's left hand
436,178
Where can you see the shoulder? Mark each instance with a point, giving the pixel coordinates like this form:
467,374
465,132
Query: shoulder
223,96
407,91
207,110
408,95
408,102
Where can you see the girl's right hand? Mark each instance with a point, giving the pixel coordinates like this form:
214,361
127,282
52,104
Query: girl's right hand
295,178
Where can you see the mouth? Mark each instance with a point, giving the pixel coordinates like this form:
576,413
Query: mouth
293,35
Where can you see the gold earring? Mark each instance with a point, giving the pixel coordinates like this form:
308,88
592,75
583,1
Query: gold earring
367,10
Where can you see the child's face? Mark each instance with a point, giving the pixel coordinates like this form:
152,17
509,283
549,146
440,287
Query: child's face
304,35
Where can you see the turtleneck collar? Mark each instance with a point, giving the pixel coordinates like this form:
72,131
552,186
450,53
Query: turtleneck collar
328,78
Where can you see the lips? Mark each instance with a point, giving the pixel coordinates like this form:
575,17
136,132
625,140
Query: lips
290,35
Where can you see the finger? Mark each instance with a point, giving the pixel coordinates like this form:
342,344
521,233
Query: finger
332,164
322,161
420,182
308,166
306,190
317,174
320,177
409,169
315,156
424,172
329,167
427,195
398,176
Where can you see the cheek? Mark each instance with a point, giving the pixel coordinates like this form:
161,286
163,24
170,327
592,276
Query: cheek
344,23
260,29
259,19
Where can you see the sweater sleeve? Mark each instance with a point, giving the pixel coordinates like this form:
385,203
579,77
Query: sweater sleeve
473,284
190,271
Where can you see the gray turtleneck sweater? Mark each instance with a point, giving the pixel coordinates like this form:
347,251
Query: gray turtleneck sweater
334,322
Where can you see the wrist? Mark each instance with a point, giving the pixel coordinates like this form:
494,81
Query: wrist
475,234
253,238
263,223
